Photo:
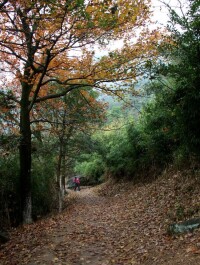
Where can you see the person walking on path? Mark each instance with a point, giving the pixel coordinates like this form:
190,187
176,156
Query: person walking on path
76,181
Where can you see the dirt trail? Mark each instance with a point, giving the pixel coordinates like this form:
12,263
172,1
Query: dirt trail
126,228
85,235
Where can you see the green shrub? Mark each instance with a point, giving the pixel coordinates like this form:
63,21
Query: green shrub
9,190
92,168
44,185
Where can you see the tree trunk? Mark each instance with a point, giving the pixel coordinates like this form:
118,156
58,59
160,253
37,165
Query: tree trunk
63,170
25,158
59,178
59,166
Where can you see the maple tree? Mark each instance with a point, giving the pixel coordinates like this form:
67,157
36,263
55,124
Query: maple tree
43,43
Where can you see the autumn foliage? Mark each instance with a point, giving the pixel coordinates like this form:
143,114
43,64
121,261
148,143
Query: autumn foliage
48,43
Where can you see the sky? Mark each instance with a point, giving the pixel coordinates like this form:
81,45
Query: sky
160,11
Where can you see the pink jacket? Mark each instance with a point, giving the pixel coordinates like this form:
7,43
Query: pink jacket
76,180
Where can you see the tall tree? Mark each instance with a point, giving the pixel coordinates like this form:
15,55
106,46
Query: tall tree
41,41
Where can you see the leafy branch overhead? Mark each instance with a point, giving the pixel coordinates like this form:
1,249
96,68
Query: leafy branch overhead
50,41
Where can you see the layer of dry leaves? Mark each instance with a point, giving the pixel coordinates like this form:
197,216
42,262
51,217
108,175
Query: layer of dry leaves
114,224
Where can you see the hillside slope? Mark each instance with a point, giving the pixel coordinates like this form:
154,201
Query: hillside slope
152,207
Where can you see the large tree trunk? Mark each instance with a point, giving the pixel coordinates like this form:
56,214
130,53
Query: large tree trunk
25,159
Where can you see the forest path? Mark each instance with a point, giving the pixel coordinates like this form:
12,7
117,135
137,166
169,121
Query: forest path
90,233
125,227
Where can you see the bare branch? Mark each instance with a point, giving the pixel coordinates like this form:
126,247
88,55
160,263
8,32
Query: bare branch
2,4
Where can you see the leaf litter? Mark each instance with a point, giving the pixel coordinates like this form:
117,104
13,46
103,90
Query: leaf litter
113,224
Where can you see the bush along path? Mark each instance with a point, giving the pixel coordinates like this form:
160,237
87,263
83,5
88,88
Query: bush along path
114,225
